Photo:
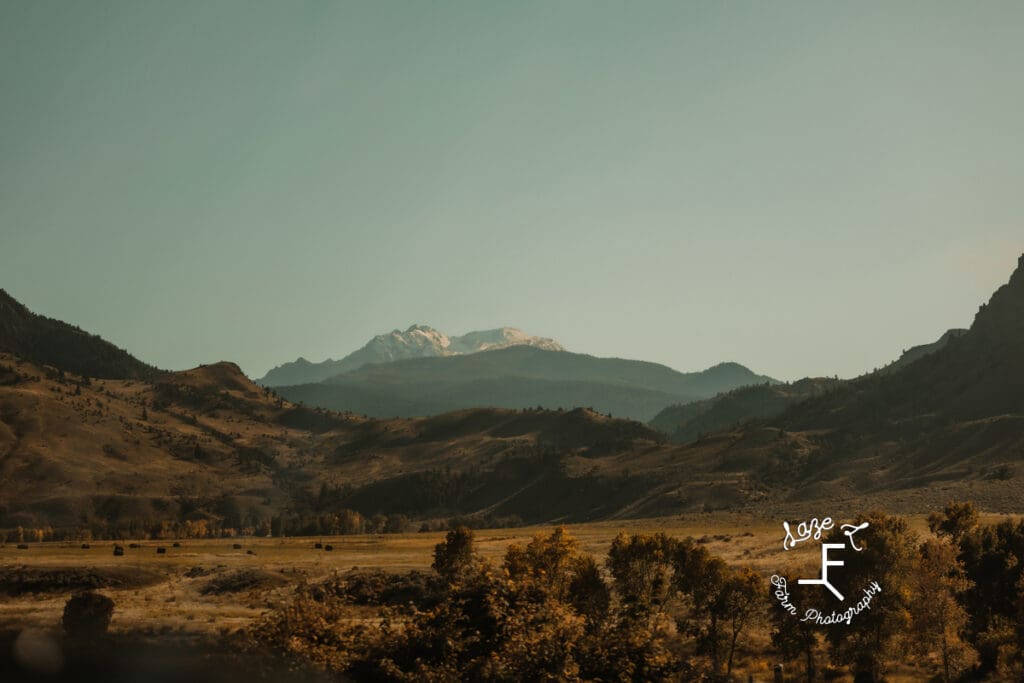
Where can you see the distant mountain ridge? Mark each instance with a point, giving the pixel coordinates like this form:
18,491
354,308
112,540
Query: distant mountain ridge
418,341
956,413
52,342
686,422
518,377
975,374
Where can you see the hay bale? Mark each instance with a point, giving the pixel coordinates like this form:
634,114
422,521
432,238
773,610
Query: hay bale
318,546
328,548
22,546
175,545
236,546
118,551
161,551
86,546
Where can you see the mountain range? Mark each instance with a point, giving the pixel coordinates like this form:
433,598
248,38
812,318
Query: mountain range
135,450
685,422
517,377
419,341
424,372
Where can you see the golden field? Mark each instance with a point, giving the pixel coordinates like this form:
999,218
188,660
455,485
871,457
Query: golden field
169,599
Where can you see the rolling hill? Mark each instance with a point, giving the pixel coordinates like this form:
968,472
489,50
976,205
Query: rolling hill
208,444
687,422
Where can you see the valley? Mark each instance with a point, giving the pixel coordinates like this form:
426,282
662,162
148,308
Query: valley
112,456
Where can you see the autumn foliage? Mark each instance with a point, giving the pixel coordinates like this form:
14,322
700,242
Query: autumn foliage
657,608
667,610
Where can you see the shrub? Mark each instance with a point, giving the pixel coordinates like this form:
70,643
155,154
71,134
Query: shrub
241,580
87,615
378,587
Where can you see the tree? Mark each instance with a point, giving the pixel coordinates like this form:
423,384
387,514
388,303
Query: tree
723,603
887,556
742,602
277,526
641,567
588,592
455,555
794,638
396,524
937,618
956,520
548,563
993,561
552,566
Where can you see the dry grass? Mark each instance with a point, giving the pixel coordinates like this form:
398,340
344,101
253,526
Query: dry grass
207,587
180,600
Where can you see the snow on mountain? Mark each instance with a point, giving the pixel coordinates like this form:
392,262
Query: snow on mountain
418,341
501,338
421,341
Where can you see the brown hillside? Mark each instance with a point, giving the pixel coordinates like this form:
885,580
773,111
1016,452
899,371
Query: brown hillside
953,418
207,444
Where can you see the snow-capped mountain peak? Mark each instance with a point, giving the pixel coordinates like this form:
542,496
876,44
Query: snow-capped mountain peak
420,341
417,341
503,337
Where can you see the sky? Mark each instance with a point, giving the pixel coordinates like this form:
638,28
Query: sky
804,188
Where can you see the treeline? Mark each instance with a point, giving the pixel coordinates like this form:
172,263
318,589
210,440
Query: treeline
162,530
341,523
660,608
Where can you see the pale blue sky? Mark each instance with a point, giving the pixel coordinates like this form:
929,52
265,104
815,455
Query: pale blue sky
806,188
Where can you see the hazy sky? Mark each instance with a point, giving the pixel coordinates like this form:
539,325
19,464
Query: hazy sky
804,188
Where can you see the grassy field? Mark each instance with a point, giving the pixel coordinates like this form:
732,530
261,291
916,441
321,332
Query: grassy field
207,585
206,588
